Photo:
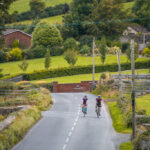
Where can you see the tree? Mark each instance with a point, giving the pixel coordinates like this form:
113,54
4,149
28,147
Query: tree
71,44
107,19
4,6
46,35
141,9
102,49
136,53
24,65
70,57
15,44
33,25
85,50
36,7
80,12
47,59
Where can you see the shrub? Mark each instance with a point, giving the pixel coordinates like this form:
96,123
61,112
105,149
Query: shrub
146,52
85,50
24,65
103,76
71,57
125,46
70,44
86,40
56,51
15,54
38,51
2,56
27,53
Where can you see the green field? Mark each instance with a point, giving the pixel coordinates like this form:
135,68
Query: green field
85,77
58,62
144,103
128,5
23,5
51,20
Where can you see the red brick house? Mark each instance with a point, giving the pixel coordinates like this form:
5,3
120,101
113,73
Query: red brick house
10,35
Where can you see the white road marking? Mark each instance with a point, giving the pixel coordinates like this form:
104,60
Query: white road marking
72,128
67,140
70,133
64,147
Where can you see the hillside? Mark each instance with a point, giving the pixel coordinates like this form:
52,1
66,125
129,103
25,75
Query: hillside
23,5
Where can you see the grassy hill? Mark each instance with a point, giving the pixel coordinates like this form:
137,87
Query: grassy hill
23,5
51,20
128,5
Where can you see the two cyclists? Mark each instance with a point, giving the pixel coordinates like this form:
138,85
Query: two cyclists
98,105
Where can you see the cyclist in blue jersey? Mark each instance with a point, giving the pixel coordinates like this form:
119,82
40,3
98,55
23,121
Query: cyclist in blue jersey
84,104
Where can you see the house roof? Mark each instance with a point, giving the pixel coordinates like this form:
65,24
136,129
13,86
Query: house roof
139,28
9,31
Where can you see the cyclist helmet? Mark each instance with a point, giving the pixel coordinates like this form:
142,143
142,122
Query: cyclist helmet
85,96
99,96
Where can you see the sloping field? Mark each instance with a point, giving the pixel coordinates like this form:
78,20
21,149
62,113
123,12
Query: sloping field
23,5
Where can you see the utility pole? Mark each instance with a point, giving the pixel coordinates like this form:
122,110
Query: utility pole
120,76
133,91
93,81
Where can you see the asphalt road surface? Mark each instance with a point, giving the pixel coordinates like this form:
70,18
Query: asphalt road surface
65,128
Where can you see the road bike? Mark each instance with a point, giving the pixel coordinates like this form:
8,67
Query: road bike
84,107
98,112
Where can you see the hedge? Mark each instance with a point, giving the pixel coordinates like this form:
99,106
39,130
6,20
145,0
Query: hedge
43,74
69,71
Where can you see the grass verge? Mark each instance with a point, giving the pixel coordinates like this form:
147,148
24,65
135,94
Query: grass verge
24,120
117,118
126,146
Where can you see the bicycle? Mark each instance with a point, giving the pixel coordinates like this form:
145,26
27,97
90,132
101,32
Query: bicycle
98,112
84,110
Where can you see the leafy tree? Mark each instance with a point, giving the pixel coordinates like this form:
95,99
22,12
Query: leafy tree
136,53
146,52
33,25
80,12
4,6
85,50
71,44
141,9
24,65
102,49
70,57
15,44
47,59
46,35
36,7
107,18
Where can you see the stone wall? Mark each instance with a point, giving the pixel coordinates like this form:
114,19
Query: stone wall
16,79
127,76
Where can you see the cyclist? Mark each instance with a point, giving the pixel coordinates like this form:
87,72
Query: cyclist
84,104
98,103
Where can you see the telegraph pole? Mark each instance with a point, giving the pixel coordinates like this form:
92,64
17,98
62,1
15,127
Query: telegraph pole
133,91
120,76
93,81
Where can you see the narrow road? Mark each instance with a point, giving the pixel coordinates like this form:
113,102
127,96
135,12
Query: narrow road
65,128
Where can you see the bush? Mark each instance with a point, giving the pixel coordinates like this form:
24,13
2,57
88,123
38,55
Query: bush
125,46
15,44
103,76
86,50
86,40
27,53
146,52
38,51
15,54
2,56
56,51
43,74
70,44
